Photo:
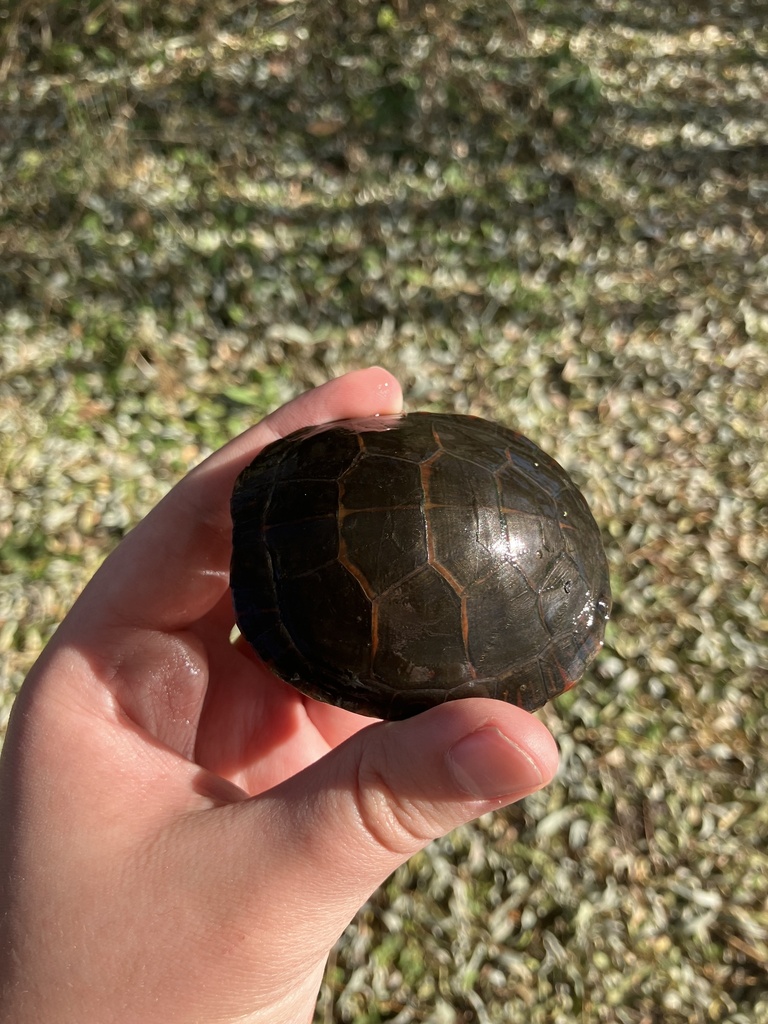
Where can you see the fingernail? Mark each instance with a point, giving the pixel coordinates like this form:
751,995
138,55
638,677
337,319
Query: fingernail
487,764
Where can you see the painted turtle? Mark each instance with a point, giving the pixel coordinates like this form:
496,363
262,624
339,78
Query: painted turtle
390,564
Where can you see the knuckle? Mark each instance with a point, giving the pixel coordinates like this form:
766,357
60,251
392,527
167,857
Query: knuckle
399,824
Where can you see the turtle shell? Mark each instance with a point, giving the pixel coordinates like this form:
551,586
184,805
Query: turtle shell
389,564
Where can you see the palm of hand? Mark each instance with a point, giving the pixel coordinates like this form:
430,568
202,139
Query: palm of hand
140,713
172,851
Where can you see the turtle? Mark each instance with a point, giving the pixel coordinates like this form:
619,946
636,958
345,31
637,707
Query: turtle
391,563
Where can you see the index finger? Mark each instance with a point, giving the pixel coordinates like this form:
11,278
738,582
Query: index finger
173,567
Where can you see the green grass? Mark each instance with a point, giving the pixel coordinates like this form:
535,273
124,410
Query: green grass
547,213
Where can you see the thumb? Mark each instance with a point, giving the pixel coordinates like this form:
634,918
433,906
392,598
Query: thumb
328,836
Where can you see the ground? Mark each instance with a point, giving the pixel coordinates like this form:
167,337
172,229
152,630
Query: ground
548,213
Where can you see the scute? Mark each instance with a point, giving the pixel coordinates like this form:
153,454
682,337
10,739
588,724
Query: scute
298,548
389,564
382,546
434,653
495,608
467,547
458,483
373,480
328,619
295,501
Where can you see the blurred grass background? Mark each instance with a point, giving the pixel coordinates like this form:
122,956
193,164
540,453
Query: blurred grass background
548,213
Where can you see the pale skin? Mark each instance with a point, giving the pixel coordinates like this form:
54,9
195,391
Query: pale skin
184,836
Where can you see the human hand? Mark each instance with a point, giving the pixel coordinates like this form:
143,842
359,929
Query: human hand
184,836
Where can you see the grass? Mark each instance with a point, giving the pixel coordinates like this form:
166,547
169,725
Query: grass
550,214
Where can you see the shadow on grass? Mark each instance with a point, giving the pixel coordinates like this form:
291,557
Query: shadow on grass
354,161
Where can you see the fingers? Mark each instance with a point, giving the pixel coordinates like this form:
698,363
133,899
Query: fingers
174,566
326,838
